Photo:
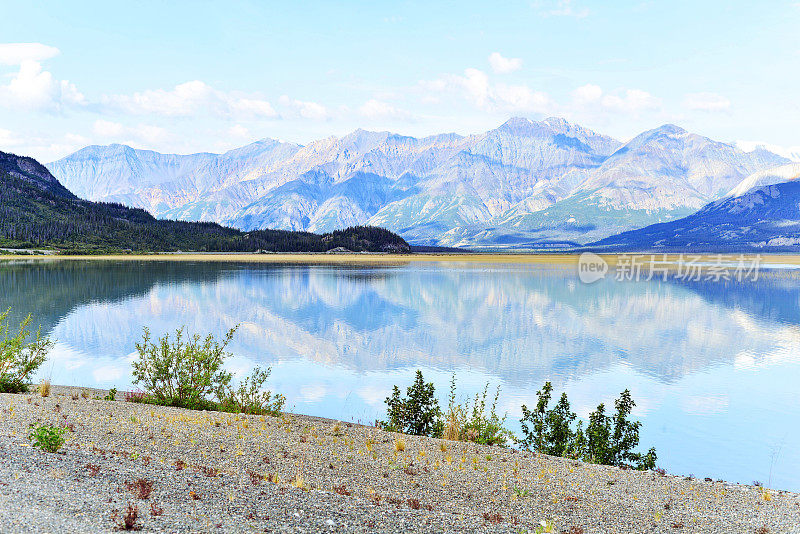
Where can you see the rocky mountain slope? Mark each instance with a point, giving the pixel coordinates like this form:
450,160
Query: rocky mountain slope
522,183
760,213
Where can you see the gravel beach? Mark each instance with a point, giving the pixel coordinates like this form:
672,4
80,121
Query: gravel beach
217,472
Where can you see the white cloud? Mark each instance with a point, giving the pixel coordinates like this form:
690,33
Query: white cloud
561,8
376,109
107,373
306,109
192,98
632,101
587,94
18,53
591,97
239,131
34,88
8,139
313,392
788,152
504,65
522,98
108,128
706,102
142,133
476,87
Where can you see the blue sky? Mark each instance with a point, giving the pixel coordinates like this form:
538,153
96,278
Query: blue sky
205,76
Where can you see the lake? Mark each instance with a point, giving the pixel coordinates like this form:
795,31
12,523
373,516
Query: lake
713,366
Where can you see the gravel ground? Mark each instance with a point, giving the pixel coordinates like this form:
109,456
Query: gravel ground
215,472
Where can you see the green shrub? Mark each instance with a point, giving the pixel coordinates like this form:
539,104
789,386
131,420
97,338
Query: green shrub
183,373
249,398
47,438
462,423
111,395
9,385
417,414
20,358
607,440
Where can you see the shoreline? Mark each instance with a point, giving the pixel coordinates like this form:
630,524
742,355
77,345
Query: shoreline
214,471
771,259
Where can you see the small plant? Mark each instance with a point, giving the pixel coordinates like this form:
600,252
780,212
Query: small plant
249,398
544,526
141,488
130,518
111,395
210,472
417,414
521,492
44,388
475,424
84,394
414,504
155,510
183,373
135,396
493,517
255,478
399,445
93,469
47,438
342,490
20,358
298,482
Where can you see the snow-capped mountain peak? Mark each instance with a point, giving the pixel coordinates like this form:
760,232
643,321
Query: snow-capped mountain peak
776,175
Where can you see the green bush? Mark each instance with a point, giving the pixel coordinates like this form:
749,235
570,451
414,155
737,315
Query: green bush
47,438
462,423
607,440
186,373
183,373
20,358
111,395
249,398
416,414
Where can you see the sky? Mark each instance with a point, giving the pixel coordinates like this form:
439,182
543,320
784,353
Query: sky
211,76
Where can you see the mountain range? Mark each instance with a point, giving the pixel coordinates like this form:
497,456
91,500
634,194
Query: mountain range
760,213
36,211
525,183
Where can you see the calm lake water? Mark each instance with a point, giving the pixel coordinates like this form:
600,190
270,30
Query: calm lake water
713,366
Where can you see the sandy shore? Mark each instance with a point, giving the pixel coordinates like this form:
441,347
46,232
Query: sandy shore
215,472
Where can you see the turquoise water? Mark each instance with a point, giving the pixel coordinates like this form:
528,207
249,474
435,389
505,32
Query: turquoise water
713,366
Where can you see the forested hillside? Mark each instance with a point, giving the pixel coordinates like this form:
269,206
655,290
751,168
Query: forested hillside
37,212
